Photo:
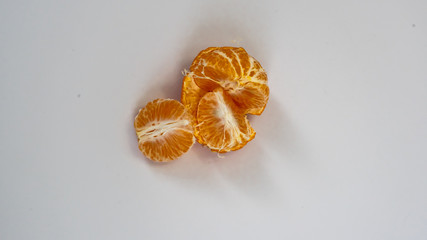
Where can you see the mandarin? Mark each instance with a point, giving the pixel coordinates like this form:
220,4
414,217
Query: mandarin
164,130
221,124
223,85
234,70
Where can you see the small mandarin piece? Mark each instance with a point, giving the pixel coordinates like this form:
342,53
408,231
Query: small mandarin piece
164,130
232,69
221,124
190,97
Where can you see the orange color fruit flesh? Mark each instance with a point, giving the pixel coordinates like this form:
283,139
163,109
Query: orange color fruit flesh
164,130
227,80
221,124
190,97
234,70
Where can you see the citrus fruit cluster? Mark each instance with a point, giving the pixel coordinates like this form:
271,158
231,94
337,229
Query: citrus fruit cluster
223,85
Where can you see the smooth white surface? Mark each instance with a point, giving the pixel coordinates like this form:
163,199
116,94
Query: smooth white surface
340,151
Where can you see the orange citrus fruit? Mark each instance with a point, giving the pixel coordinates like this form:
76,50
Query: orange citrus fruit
164,130
234,70
221,124
190,97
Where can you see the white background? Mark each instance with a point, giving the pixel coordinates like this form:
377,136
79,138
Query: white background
340,151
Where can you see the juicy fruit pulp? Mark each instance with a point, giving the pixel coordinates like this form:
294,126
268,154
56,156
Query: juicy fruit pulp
222,126
234,70
164,130
223,85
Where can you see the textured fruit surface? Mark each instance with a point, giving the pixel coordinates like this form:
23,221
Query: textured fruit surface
190,97
235,71
221,124
164,130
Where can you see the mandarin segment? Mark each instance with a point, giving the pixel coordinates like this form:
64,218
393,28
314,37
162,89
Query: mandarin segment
164,130
234,70
252,96
221,124
190,97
